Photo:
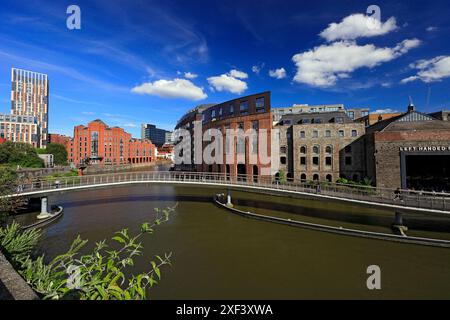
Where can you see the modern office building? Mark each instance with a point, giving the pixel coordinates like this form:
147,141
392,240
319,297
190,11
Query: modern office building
30,97
322,146
169,137
410,151
20,129
156,135
98,143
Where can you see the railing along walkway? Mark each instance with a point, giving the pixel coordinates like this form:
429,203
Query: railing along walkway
424,201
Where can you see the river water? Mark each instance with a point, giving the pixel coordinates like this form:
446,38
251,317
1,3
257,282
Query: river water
219,255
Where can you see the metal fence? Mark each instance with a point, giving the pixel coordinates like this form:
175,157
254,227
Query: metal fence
403,198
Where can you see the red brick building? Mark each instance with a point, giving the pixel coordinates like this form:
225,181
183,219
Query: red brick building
58,138
98,143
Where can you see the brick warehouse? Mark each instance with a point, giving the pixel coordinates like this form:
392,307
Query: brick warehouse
410,151
97,143
250,112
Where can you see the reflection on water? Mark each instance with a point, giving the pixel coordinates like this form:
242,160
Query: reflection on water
218,255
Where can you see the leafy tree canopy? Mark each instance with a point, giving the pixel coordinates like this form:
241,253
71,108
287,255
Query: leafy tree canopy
18,153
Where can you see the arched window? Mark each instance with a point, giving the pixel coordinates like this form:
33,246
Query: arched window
316,149
303,177
316,177
329,149
329,178
303,150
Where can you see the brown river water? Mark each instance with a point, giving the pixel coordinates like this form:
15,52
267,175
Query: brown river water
219,255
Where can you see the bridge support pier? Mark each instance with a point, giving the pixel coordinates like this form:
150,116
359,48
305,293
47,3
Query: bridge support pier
44,209
229,203
398,224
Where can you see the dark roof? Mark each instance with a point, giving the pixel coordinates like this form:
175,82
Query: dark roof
412,120
317,117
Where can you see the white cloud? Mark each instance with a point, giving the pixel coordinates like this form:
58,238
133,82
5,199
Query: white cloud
190,75
324,65
257,68
358,25
278,73
238,74
387,110
431,29
177,88
431,70
226,82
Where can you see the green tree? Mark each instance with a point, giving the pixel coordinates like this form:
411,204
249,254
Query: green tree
9,184
19,154
58,151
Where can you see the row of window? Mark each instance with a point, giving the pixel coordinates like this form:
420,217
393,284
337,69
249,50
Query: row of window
316,149
315,160
243,109
316,134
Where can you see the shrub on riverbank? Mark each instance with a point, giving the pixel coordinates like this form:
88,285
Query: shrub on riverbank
101,274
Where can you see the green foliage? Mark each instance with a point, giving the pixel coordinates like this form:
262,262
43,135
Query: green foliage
59,153
18,244
19,154
9,182
282,176
101,274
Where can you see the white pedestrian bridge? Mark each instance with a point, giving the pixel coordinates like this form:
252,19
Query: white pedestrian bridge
398,200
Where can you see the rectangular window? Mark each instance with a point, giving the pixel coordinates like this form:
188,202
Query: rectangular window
354,133
339,120
260,107
328,161
303,161
348,161
244,107
302,134
315,161
315,134
328,134
341,133
283,150
231,109
213,114
283,160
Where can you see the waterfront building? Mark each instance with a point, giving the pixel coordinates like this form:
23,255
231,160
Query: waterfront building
373,118
245,113
410,151
156,135
30,97
165,152
356,113
98,143
18,128
187,122
322,146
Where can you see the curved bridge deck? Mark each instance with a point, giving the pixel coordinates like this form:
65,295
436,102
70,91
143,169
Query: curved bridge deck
403,200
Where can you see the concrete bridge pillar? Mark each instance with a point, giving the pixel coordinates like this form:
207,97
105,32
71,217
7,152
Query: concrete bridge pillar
229,203
398,224
44,209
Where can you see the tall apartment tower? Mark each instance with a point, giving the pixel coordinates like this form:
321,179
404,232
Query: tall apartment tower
29,97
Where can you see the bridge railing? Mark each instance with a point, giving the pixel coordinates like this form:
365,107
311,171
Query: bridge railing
406,198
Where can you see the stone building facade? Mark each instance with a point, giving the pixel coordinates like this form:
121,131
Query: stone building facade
321,147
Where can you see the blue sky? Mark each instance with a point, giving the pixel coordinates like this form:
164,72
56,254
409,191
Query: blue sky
150,61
